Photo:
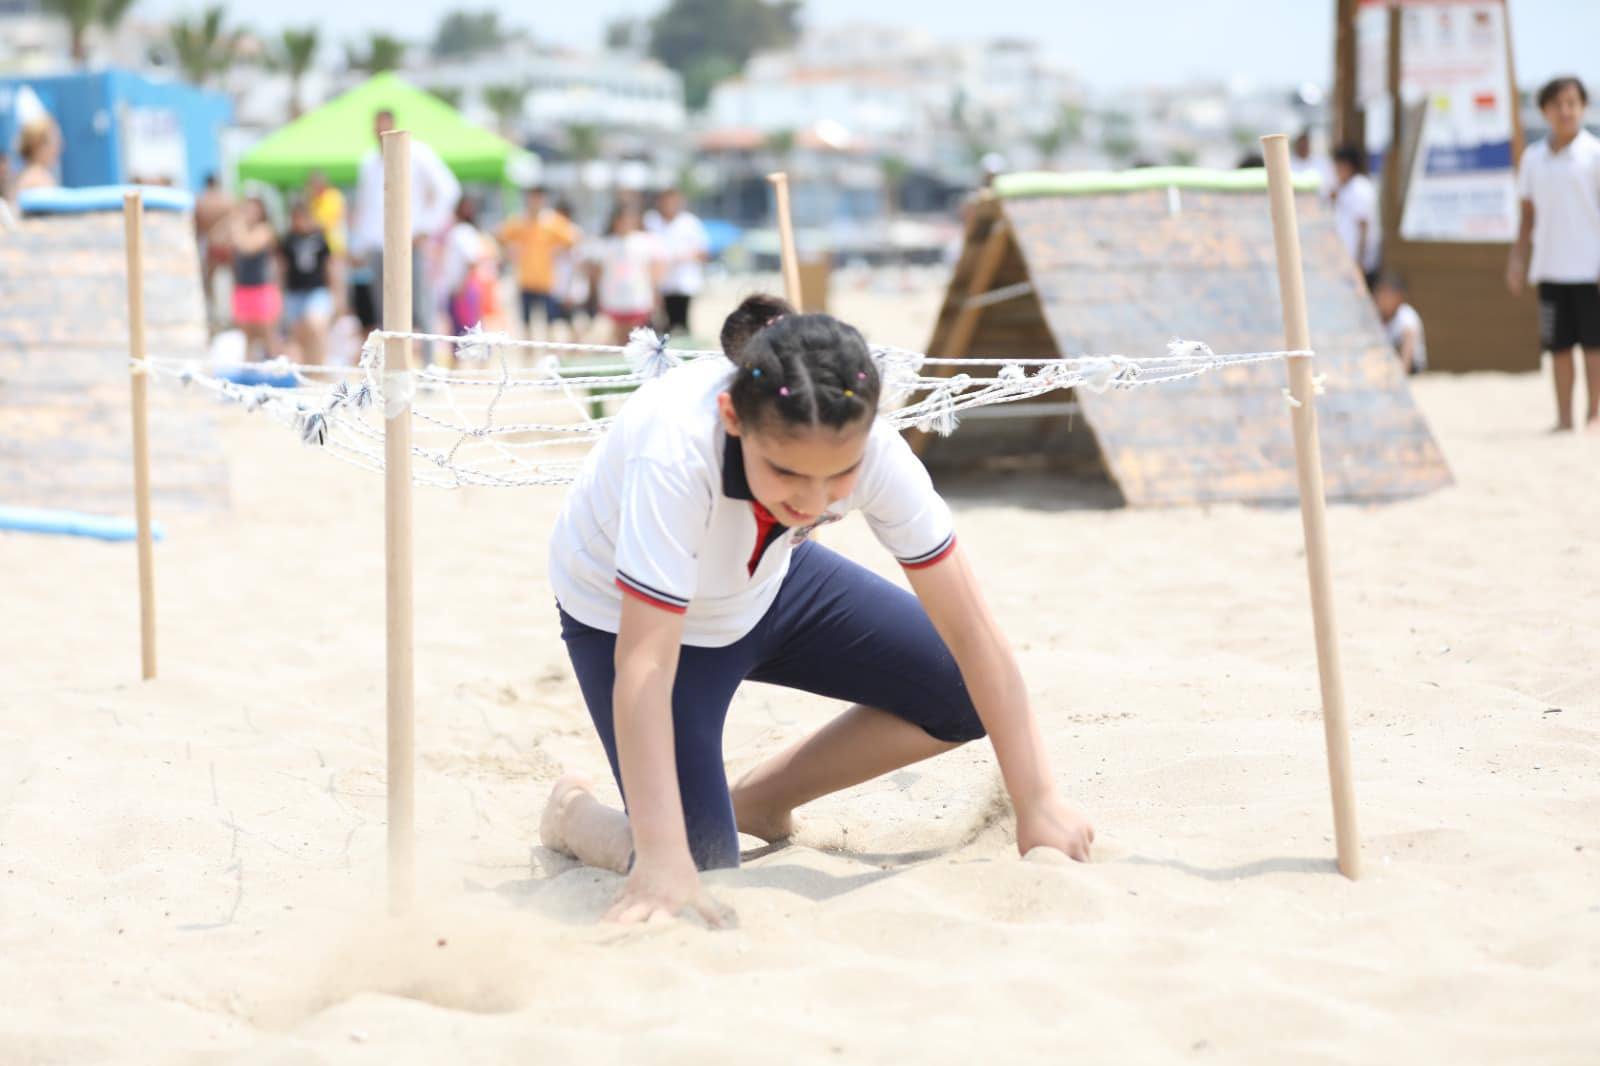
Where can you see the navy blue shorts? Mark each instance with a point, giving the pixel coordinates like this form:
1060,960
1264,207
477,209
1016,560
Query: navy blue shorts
835,629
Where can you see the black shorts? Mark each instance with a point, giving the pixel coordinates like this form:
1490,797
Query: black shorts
677,308
363,304
1569,315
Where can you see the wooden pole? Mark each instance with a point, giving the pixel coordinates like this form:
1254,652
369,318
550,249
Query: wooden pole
991,256
133,222
397,521
791,257
1345,64
1396,160
1313,508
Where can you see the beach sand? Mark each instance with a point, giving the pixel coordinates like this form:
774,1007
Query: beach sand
191,869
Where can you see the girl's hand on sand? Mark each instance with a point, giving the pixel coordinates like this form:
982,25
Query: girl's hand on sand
1052,823
666,890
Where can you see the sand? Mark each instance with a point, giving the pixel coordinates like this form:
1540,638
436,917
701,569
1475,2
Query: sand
191,870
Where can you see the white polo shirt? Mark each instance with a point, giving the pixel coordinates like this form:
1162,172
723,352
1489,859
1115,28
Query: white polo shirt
1406,320
1565,189
1355,202
662,511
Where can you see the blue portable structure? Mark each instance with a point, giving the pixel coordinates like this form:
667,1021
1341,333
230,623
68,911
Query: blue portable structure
119,127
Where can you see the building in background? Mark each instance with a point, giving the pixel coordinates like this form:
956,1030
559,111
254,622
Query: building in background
118,126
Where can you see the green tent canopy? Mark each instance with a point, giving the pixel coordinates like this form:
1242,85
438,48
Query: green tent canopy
335,137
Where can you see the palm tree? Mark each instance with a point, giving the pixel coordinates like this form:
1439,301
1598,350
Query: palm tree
506,103
293,54
203,46
82,14
383,52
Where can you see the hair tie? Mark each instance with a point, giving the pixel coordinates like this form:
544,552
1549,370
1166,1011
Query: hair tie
849,392
861,375
756,372
784,391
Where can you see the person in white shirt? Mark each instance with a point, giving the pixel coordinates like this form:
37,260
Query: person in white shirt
682,567
1303,162
434,193
627,267
686,248
1402,323
1355,210
1558,243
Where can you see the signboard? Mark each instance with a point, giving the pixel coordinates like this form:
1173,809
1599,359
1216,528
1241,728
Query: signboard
1455,70
153,148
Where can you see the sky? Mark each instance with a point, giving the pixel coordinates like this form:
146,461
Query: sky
1109,42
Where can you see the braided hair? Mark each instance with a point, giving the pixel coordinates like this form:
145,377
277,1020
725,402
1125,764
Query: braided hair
797,370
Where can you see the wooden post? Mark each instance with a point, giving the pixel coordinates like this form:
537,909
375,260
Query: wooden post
991,255
133,222
397,522
1313,508
790,256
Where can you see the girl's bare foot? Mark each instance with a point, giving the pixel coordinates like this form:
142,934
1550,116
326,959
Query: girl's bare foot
553,823
764,824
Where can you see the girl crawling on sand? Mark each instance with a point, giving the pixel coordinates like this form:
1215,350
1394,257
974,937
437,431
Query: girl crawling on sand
682,568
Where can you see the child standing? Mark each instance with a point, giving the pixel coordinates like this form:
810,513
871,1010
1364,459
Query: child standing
682,568
1558,244
627,268
1355,210
307,296
257,303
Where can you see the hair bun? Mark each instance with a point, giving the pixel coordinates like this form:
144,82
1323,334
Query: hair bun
749,318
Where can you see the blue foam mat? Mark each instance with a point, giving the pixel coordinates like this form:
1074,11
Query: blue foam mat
251,376
72,524
100,198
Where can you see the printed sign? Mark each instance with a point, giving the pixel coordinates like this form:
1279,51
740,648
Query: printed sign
1462,186
153,148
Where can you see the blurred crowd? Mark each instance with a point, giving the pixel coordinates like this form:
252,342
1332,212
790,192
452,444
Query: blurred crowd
289,288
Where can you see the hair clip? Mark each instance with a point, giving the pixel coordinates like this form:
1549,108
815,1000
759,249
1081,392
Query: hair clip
784,391
849,392
756,372
861,375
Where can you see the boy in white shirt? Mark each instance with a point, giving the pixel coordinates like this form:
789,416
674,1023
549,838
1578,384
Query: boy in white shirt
1558,245
1402,323
1355,210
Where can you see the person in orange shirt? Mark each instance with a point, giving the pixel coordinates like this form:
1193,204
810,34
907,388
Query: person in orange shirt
535,238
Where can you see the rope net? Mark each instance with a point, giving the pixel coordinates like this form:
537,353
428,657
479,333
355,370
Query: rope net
488,422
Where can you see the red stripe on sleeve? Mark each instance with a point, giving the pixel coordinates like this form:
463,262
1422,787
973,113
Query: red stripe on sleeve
652,601
937,558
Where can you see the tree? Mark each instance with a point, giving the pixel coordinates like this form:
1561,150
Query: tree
781,144
467,33
1065,131
704,76
895,171
450,94
506,103
624,34
383,52
583,141
204,46
705,40
80,15
293,54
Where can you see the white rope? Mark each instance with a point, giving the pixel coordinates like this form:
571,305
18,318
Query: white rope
468,429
